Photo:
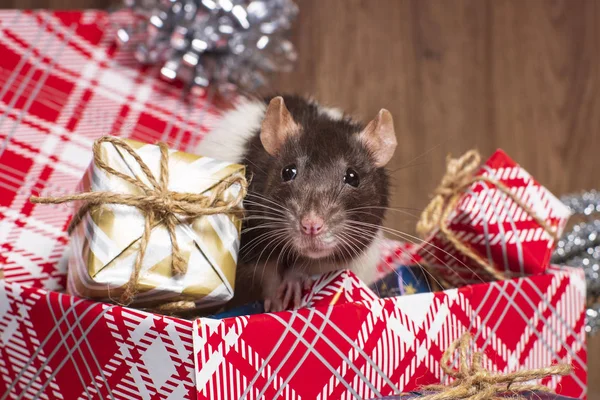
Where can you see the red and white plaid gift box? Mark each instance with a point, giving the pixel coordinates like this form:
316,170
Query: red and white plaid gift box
496,228
373,348
58,346
62,85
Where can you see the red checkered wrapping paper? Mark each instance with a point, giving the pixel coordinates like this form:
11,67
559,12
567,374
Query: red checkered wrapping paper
338,287
369,349
63,84
496,228
55,346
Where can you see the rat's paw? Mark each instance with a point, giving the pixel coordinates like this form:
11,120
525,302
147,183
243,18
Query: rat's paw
291,289
273,304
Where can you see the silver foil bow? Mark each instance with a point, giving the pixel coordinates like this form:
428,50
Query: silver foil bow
231,44
580,247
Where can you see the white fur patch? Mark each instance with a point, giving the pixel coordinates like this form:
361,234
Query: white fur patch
365,266
227,139
335,114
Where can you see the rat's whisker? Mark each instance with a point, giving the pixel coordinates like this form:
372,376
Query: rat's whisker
264,217
344,251
343,244
296,258
266,236
256,219
275,246
286,246
255,165
262,197
266,226
261,226
342,237
262,237
408,164
386,208
353,239
266,207
357,211
257,199
258,214
363,241
262,213
418,240
425,270
411,238
275,242
251,199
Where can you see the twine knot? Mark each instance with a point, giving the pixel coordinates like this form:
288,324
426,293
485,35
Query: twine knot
473,382
460,174
162,205
157,204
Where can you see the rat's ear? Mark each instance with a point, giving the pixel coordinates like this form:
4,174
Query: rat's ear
379,137
277,126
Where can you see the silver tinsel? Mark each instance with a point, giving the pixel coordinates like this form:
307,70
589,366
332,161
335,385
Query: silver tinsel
586,203
593,319
230,44
580,247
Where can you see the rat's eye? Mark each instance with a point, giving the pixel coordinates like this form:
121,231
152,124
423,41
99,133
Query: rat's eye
351,177
289,173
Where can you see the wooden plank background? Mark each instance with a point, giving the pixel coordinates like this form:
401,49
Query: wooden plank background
522,75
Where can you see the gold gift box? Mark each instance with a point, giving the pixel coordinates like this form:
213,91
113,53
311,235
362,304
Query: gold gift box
106,242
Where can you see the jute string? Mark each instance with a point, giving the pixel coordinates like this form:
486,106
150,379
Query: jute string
473,382
157,203
459,176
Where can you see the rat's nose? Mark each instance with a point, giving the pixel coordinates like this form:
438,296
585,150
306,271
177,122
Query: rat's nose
312,224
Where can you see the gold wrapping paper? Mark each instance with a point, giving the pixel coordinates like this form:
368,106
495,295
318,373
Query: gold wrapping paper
105,244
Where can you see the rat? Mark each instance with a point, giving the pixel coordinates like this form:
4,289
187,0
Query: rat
317,194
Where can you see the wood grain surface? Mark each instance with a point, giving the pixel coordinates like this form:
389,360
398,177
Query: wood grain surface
521,75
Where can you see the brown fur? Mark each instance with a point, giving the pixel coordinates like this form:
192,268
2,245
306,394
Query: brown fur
322,151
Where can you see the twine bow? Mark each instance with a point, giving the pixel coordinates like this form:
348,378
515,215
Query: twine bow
460,174
157,203
475,383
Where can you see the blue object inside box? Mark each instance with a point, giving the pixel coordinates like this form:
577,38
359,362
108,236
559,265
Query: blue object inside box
403,280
